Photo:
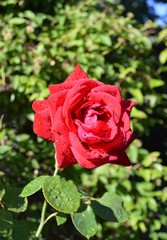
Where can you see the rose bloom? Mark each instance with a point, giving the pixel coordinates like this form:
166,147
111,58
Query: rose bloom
87,120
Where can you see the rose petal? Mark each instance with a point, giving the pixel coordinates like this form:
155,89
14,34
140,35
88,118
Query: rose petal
125,122
64,154
55,88
113,90
116,144
75,98
83,156
42,125
105,99
130,136
76,74
54,102
39,105
42,122
120,159
127,105
126,109
68,108
92,135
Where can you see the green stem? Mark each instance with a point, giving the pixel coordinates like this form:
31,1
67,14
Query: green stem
51,216
42,222
56,168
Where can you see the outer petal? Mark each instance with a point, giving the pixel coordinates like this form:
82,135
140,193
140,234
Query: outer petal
126,109
55,88
63,151
42,122
116,145
76,74
113,90
88,159
39,105
127,105
83,156
125,121
121,159
130,136
54,102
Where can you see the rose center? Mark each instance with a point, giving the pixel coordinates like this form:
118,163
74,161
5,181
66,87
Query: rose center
93,124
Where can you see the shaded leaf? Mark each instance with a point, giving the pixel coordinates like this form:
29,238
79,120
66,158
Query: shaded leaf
13,201
110,207
84,221
20,230
6,220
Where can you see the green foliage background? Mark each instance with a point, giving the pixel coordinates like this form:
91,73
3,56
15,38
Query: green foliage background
40,43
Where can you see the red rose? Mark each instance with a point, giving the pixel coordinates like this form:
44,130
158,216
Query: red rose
87,120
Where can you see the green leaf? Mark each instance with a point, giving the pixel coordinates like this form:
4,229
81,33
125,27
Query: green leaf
16,20
106,40
163,34
9,2
4,149
156,83
137,94
61,218
13,201
61,194
84,221
138,114
2,189
29,14
6,220
20,230
110,207
33,186
163,56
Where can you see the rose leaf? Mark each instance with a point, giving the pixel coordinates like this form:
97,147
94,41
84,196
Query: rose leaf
33,186
84,221
61,218
110,207
61,194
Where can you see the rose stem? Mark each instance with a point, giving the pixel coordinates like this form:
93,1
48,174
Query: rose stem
42,221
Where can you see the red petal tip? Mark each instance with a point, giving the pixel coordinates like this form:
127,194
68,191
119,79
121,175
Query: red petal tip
77,74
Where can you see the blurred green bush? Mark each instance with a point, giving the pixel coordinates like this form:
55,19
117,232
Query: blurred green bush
40,43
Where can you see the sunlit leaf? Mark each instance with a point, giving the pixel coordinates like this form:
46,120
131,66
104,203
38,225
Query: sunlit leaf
33,186
163,56
61,218
61,194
